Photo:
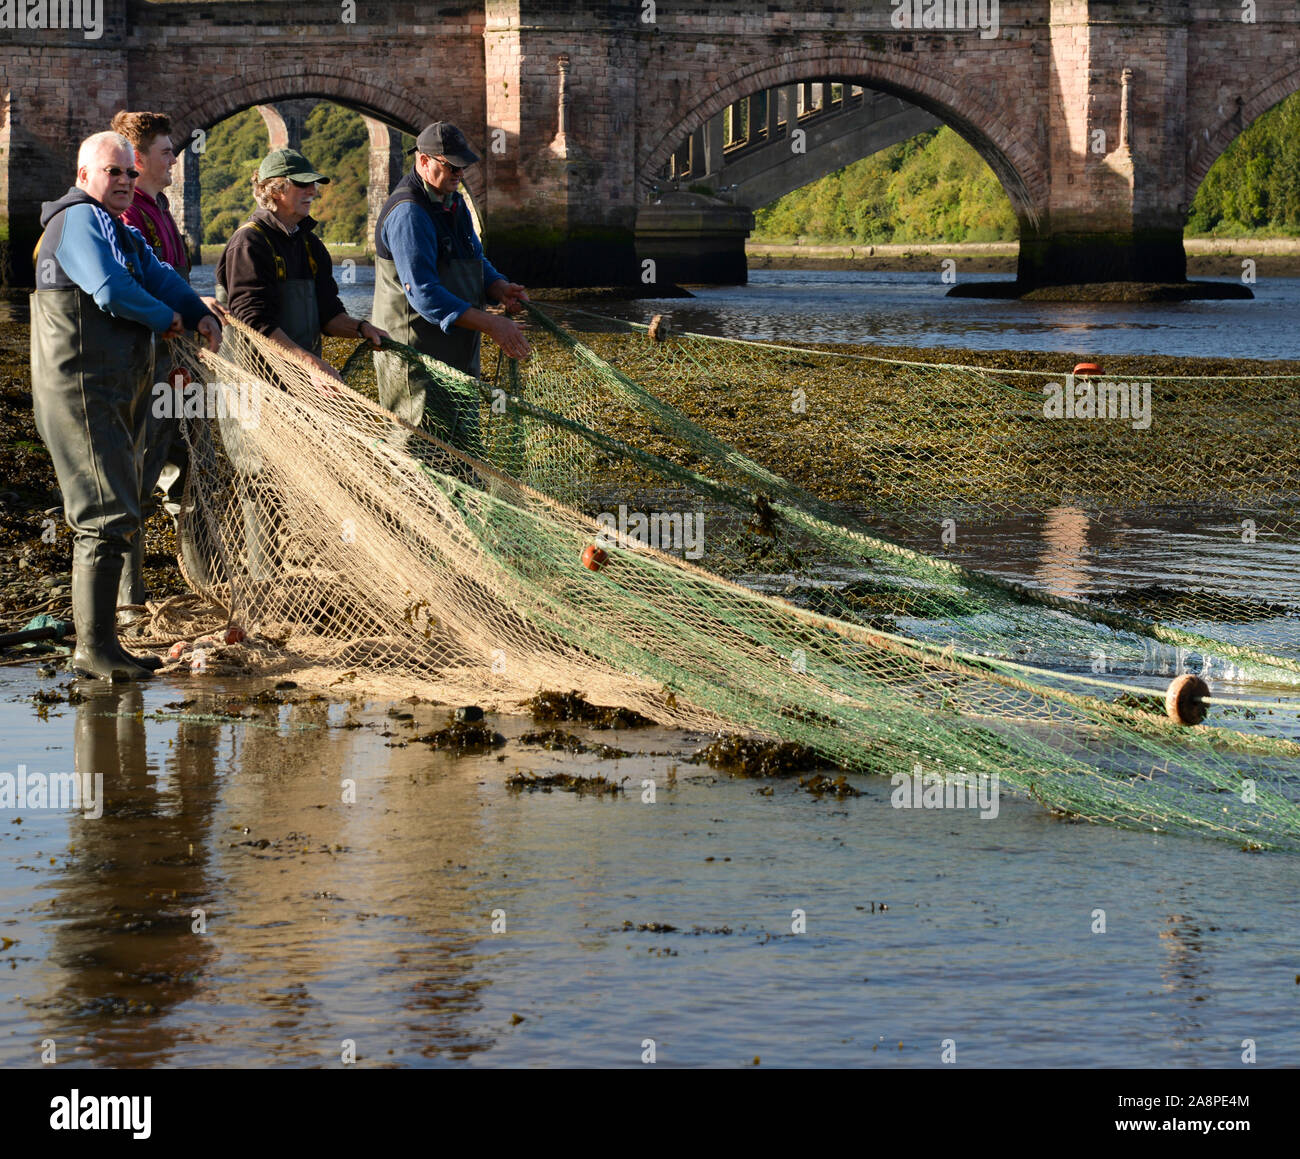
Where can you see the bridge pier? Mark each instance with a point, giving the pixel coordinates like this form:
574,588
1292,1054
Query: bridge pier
285,122
560,201
386,169
1100,170
1116,137
184,200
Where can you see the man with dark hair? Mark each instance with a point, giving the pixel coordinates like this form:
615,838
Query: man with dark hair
150,137
432,281
166,456
100,298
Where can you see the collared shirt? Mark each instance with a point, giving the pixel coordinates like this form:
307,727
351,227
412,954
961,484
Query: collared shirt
153,218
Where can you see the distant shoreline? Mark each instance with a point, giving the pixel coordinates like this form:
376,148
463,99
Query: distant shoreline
1207,257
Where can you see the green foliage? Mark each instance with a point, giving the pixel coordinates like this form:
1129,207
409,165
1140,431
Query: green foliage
935,188
932,188
233,151
334,140
1255,185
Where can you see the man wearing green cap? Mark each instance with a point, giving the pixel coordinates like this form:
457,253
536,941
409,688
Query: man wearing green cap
432,282
276,275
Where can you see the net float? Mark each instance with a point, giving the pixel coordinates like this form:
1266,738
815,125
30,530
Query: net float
175,652
593,557
1185,699
1085,368
234,634
180,378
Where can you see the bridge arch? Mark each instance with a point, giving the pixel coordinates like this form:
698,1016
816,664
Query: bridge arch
1207,146
380,105
970,113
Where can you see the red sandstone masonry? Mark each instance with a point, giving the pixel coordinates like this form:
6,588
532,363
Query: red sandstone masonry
1028,100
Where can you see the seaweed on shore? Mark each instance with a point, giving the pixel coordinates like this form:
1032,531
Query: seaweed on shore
548,706
742,756
1161,602
567,782
462,736
556,740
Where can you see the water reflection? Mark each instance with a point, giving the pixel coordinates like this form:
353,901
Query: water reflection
123,903
1063,565
284,883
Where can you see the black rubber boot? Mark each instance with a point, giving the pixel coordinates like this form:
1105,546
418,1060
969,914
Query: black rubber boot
94,608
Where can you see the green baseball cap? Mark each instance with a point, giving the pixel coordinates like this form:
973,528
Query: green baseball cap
289,163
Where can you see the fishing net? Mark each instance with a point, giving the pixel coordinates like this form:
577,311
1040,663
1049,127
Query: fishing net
588,535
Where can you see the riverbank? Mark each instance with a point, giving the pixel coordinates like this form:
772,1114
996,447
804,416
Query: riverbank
1206,257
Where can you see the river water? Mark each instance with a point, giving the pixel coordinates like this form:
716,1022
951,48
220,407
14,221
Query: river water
372,922
912,309
271,882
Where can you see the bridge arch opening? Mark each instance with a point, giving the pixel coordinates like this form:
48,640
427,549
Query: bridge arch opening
763,132
1253,181
362,157
285,105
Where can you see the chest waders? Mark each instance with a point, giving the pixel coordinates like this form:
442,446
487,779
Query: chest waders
91,378
165,462
404,389
300,320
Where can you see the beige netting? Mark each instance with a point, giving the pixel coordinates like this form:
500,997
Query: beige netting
369,555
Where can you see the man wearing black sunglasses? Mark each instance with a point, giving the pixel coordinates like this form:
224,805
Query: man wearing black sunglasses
432,282
101,297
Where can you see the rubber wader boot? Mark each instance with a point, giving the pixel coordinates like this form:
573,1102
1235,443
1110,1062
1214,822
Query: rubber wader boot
130,590
94,607
259,539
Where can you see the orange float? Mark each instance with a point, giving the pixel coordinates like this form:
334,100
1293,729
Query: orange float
1185,699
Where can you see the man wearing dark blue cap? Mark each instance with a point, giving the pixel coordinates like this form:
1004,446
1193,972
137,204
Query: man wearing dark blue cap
432,282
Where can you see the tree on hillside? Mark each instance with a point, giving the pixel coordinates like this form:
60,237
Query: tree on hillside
933,187
1255,184
334,140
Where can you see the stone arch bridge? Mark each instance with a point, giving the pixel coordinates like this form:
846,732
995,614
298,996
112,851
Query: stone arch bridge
1099,117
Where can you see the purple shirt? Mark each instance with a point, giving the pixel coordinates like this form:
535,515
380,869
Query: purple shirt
154,220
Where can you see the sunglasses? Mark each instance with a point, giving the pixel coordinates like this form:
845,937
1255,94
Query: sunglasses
117,171
301,184
457,169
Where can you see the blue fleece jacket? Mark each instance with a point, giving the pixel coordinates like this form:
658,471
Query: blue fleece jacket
413,241
132,285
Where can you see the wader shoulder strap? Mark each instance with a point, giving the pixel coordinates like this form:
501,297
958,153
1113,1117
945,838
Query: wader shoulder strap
281,270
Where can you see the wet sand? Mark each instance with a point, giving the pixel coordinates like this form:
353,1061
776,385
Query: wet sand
286,884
